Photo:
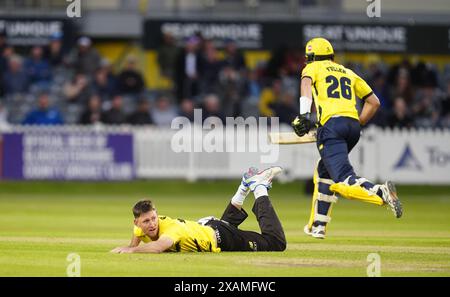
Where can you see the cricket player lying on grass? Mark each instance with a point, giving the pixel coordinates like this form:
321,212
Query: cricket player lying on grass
164,234
334,89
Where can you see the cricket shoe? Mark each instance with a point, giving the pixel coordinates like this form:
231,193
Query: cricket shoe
252,171
316,232
389,196
206,220
263,178
307,230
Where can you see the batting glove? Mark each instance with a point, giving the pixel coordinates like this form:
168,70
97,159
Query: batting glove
302,124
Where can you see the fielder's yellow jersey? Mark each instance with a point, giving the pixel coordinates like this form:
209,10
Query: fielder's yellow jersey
335,89
187,236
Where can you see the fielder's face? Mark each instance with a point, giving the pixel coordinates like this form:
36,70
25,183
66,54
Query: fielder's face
148,222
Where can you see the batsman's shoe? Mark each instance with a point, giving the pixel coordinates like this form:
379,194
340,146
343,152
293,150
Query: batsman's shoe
263,178
356,192
391,199
316,232
307,230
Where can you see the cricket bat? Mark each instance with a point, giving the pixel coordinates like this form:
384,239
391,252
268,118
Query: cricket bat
291,138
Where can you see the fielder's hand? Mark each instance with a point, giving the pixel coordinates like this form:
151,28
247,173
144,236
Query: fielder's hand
302,124
123,250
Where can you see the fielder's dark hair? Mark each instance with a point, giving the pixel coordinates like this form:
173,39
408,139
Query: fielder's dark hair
143,206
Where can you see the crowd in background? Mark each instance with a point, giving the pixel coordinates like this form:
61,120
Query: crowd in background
51,85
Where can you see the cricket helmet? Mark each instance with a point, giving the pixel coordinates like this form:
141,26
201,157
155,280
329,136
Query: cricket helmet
318,49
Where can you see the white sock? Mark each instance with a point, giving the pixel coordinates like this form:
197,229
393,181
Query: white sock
260,191
240,195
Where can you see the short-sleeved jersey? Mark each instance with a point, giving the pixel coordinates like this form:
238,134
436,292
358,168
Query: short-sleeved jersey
335,89
187,236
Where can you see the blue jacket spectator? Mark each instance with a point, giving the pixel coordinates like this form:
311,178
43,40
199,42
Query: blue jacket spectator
54,51
5,55
38,69
104,84
44,114
233,57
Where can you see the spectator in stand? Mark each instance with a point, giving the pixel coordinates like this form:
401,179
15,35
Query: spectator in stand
212,68
423,74
15,79
253,86
3,43
43,114
112,77
232,89
77,90
269,96
393,73
92,114
402,87
252,93
5,55
187,109
446,106
3,115
211,108
142,115
205,45
130,79
276,62
103,84
54,52
379,87
233,57
167,56
115,115
38,69
400,116
293,62
427,106
290,84
84,59
164,112
286,109
202,42
189,70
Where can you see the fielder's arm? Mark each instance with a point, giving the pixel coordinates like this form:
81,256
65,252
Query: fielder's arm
127,249
134,241
371,105
161,245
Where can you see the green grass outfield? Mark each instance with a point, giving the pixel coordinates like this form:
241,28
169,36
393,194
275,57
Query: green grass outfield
41,223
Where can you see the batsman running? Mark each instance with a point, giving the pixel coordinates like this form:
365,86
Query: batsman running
334,89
